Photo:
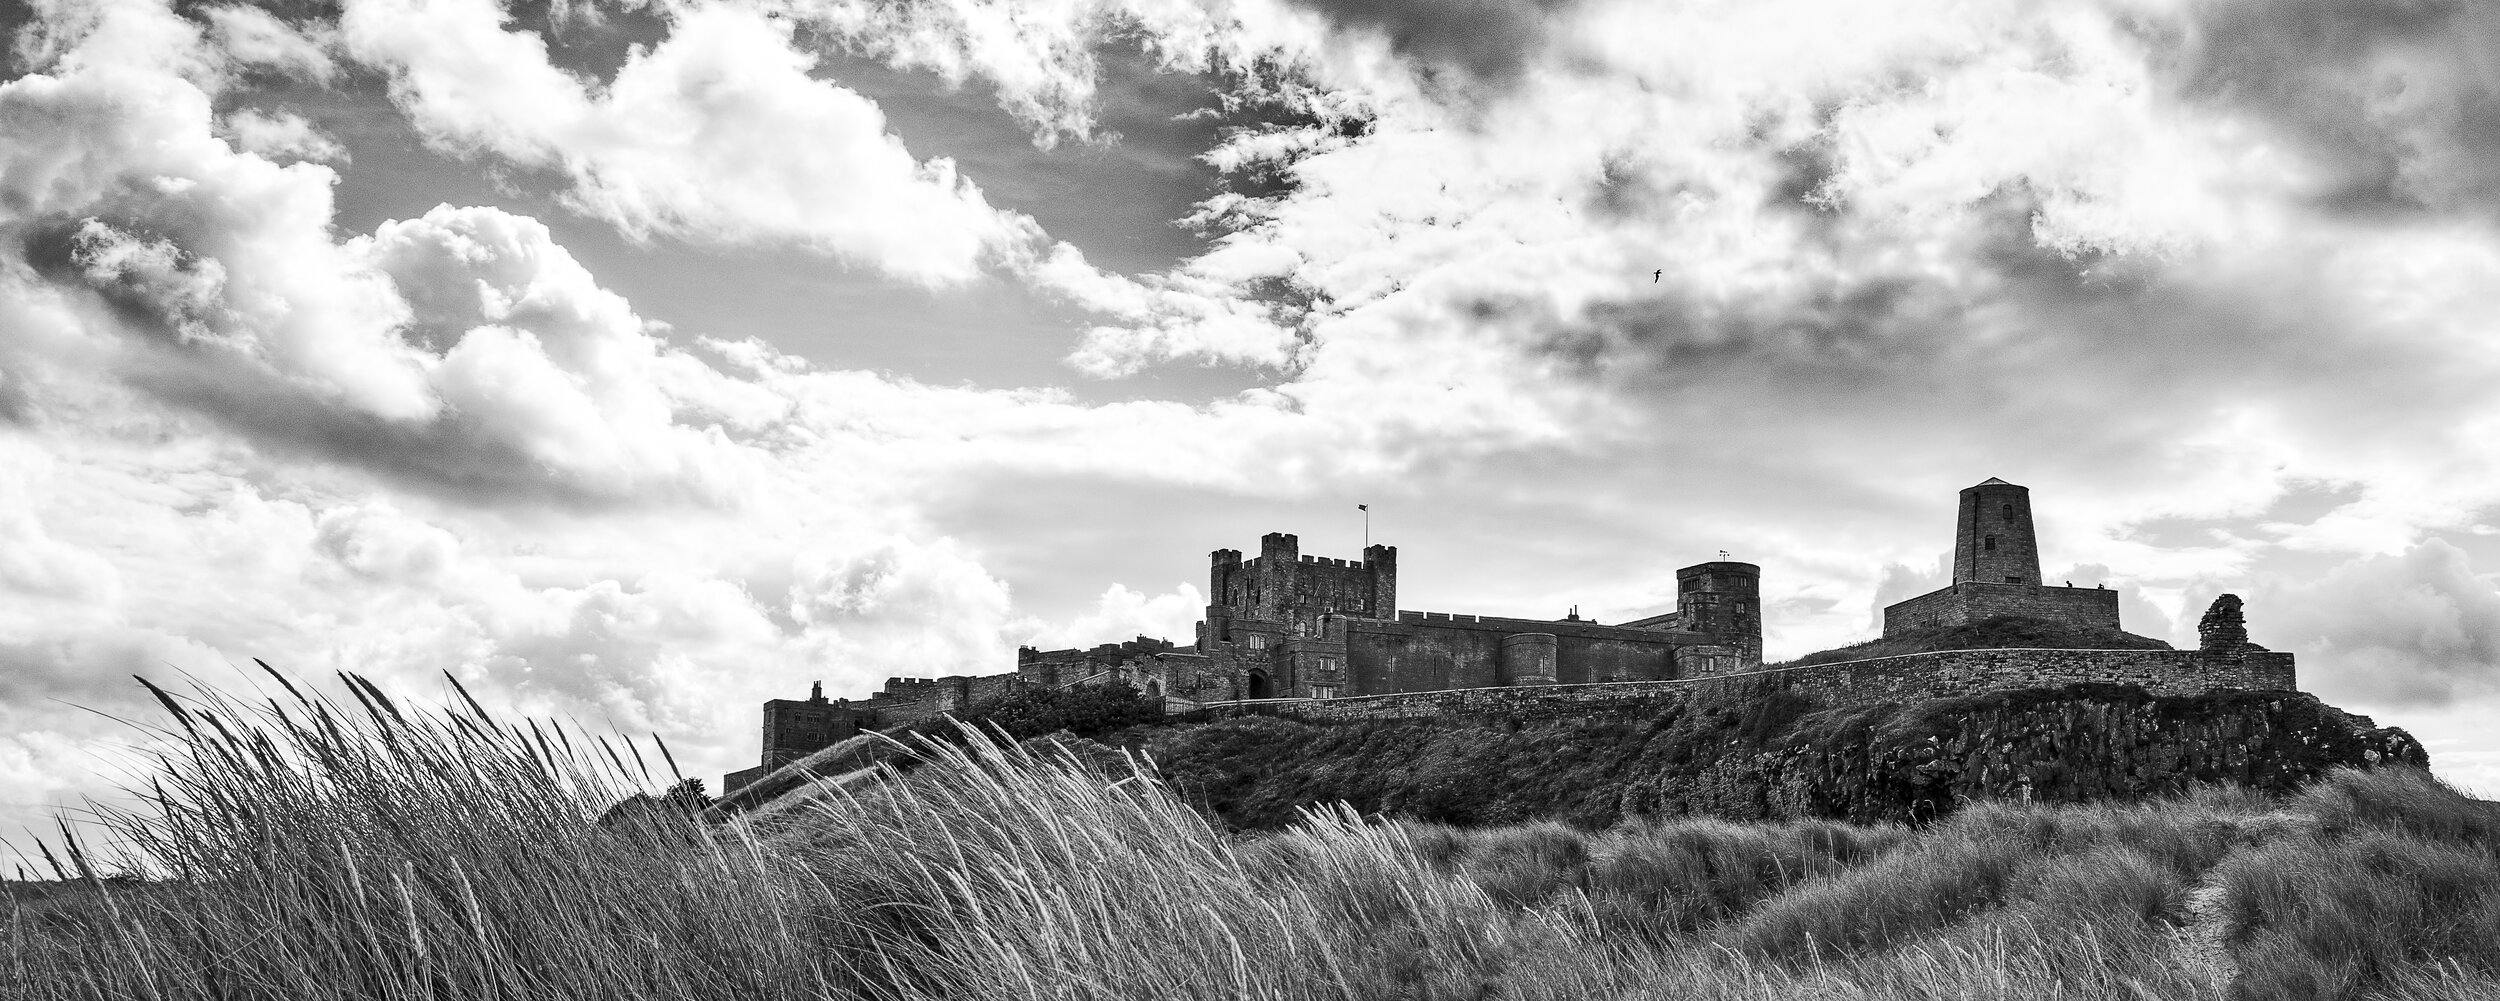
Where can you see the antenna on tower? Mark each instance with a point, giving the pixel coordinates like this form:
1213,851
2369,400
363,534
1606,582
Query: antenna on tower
1723,556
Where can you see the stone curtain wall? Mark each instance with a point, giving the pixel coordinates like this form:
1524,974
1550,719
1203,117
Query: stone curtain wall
1971,602
1429,651
1903,678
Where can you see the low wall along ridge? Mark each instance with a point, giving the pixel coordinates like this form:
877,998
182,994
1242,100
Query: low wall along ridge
1898,678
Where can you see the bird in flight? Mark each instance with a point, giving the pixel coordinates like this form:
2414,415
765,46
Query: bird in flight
1655,275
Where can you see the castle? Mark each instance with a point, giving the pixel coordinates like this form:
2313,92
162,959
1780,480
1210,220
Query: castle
1327,634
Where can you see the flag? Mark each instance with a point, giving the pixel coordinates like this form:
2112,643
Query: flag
1362,507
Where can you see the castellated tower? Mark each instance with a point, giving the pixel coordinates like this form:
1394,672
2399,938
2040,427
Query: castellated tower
1723,600
1282,592
1994,542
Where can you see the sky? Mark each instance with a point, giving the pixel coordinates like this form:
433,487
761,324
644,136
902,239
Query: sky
637,362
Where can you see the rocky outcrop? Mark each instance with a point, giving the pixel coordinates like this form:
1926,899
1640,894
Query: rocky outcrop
2078,744
1775,755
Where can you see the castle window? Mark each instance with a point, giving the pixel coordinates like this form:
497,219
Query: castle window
2013,580
1258,642
2009,512
1988,543
1323,691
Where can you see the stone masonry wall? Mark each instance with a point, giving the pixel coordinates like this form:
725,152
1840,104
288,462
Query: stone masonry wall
1903,678
1428,651
1976,600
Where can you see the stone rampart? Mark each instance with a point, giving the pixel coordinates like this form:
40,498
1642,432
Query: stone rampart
1559,627
1972,601
1899,678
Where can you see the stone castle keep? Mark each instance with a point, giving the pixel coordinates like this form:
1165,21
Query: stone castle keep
1323,638
1996,571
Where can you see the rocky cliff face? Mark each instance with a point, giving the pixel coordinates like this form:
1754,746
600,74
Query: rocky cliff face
1770,755
2071,745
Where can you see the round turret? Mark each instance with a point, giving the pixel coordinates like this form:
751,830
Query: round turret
1723,600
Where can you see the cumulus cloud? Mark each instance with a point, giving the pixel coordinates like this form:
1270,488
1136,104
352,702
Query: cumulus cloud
380,543
255,38
721,135
1491,40
282,135
1120,614
1040,58
462,349
33,564
718,135
2418,628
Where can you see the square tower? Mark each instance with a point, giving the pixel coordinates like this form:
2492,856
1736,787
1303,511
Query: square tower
1996,572
1281,592
1993,542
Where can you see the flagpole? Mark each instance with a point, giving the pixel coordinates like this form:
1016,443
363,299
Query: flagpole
1367,528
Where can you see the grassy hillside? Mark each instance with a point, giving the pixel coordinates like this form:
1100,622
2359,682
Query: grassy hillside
308,850
2004,631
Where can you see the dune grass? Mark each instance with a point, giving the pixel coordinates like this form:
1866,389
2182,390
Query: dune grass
311,848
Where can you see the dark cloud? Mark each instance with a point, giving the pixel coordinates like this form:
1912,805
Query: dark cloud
1488,40
2302,502
590,38
453,456
1874,323
17,406
2399,98
143,284
1806,172
18,47
91,669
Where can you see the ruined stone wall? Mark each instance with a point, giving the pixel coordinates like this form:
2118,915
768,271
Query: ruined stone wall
1056,668
1880,680
1976,600
910,700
